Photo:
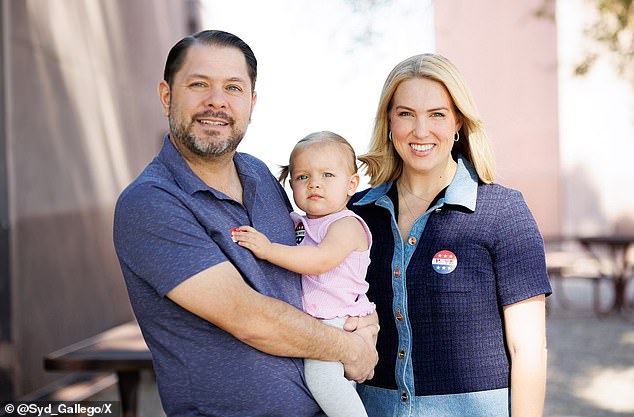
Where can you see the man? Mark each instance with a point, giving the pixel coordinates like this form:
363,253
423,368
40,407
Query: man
223,327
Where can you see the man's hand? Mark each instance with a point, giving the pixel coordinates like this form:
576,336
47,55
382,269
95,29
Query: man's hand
363,354
354,323
253,240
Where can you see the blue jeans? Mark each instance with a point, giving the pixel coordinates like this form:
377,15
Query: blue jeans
380,402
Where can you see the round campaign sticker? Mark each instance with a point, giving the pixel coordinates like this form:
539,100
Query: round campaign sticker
444,262
300,232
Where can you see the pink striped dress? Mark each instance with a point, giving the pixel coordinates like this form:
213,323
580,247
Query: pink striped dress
340,292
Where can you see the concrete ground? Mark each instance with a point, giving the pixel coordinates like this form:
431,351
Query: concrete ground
591,359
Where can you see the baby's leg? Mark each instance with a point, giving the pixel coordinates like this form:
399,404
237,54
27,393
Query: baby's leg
336,396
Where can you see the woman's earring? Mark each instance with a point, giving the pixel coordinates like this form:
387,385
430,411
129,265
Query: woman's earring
456,137
389,135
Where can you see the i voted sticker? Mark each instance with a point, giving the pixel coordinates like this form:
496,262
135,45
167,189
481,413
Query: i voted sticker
300,232
444,262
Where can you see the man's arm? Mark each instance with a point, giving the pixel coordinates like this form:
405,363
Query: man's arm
525,325
221,296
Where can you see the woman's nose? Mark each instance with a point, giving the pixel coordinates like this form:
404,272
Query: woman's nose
421,129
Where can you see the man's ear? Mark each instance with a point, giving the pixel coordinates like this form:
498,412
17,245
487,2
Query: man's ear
254,99
353,184
165,95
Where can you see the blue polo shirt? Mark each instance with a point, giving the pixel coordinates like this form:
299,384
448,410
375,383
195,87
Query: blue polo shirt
440,295
169,225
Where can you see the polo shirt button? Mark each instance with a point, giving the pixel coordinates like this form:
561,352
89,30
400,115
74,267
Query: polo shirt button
399,316
397,272
411,240
404,396
401,354
437,210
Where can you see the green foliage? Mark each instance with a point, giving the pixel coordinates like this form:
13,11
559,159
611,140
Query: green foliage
611,34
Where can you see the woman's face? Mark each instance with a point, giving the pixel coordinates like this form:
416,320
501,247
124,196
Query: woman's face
423,124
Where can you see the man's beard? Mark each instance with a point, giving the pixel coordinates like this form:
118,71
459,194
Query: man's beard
183,134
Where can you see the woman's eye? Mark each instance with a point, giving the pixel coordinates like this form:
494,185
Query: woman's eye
438,114
405,114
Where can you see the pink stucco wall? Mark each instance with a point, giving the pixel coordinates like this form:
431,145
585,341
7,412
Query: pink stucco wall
509,58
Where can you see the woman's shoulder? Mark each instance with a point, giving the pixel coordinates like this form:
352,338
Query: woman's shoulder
496,193
358,196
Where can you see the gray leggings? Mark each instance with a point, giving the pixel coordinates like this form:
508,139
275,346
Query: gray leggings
336,396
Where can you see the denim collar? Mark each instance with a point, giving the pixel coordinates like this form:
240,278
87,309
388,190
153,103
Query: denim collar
462,191
188,180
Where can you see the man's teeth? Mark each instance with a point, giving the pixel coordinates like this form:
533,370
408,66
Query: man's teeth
209,122
421,148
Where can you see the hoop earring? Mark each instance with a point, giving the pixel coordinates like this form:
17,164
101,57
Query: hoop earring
389,136
456,137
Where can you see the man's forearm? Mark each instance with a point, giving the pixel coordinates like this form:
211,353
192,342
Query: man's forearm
220,296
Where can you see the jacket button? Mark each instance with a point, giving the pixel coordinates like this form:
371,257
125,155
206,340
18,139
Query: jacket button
404,396
411,240
399,316
397,272
401,354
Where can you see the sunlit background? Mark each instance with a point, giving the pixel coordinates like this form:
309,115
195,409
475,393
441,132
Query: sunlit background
321,64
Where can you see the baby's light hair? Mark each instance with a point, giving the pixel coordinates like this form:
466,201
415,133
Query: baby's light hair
323,136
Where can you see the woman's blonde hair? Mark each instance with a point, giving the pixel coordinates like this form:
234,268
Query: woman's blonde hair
324,136
383,164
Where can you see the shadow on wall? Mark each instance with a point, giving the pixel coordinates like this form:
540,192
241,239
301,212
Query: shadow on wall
83,121
584,213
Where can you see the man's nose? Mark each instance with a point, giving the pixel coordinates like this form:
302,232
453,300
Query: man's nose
216,98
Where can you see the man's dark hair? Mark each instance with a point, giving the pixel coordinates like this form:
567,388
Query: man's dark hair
177,54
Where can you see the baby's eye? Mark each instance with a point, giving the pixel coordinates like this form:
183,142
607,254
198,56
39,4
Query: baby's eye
302,177
328,175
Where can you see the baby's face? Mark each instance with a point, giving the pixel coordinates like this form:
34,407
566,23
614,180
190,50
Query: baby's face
322,179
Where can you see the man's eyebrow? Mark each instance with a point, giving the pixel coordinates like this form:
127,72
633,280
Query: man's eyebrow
206,77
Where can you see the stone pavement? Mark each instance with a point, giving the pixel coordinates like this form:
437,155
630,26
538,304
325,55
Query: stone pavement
590,360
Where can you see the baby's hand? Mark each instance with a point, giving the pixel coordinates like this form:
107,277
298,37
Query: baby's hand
253,240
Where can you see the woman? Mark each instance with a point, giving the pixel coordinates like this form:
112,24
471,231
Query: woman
457,262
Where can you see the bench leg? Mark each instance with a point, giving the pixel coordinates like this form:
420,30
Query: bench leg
128,392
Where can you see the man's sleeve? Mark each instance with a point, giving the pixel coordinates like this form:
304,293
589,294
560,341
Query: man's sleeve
159,240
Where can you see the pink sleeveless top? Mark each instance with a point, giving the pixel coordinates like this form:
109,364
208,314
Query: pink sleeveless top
339,292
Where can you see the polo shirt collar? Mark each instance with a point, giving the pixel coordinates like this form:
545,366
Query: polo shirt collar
188,180
462,191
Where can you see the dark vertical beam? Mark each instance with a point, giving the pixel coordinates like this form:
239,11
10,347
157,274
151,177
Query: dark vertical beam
192,14
6,379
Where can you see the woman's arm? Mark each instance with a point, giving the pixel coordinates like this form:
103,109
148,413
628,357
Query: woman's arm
525,324
343,237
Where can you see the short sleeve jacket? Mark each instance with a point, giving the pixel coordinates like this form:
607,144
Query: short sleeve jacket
440,291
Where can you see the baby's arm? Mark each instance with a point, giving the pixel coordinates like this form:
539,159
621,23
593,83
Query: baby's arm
343,237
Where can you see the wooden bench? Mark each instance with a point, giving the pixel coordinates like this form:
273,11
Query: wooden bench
121,350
